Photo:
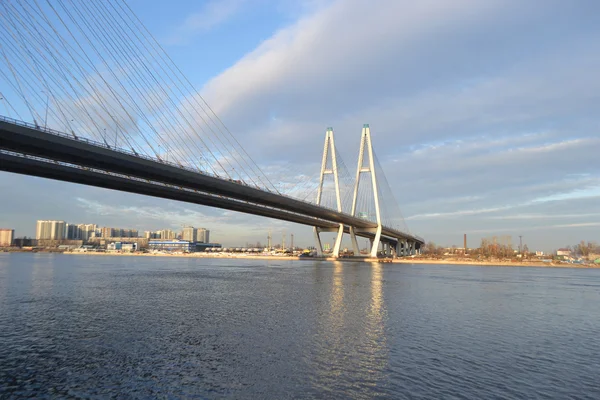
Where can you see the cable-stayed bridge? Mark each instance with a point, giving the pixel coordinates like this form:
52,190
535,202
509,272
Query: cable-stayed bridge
107,107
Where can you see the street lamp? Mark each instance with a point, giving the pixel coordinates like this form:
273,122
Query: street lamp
2,98
116,128
70,126
47,100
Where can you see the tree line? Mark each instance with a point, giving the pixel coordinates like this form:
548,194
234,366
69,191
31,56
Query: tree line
491,248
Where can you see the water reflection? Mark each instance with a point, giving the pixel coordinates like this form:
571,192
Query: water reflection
352,336
155,328
336,299
375,359
42,275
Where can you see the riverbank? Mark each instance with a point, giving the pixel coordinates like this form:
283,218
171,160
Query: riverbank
494,263
407,260
191,255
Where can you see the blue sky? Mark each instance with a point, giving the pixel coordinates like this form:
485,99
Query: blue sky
483,114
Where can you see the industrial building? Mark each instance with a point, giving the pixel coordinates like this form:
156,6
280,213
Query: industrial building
184,246
171,245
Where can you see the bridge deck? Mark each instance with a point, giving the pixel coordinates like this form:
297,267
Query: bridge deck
146,176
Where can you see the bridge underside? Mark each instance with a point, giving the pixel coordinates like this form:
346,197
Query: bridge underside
33,151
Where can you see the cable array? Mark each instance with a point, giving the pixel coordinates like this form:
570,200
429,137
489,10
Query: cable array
328,194
91,68
391,214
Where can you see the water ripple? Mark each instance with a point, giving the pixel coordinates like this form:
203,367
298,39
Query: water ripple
96,327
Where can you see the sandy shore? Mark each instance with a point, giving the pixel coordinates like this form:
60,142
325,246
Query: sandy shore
191,255
494,263
407,260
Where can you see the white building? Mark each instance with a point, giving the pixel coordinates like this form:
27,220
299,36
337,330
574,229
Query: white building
202,235
190,234
166,234
52,230
87,231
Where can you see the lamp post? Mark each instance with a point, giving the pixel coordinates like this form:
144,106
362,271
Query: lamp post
4,102
116,128
46,115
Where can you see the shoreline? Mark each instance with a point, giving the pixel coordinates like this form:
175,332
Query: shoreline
496,263
407,260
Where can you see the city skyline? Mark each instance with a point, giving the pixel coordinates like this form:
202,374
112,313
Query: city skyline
202,235
477,139
62,230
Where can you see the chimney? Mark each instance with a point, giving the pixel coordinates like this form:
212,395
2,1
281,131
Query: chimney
465,243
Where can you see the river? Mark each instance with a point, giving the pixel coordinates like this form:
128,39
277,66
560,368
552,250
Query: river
144,327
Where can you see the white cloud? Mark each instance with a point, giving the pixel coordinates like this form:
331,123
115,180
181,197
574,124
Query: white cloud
212,14
465,100
341,45
478,110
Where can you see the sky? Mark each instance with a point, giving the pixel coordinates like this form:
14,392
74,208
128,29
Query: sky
483,114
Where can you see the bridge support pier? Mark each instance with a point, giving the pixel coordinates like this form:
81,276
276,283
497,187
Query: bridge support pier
366,164
411,248
355,247
403,247
329,151
318,243
367,147
337,244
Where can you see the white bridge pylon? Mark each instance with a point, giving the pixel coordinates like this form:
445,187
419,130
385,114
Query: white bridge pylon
366,148
329,151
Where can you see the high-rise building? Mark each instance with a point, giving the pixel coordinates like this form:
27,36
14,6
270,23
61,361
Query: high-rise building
166,234
202,235
189,233
132,233
6,237
107,232
87,231
72,232
50,230
42,230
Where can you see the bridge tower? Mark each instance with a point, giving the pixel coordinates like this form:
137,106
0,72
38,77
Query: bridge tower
329,151
367,147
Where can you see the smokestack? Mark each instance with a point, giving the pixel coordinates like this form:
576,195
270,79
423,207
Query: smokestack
465,243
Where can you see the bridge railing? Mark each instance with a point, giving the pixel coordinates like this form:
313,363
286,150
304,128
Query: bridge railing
122,150
132,152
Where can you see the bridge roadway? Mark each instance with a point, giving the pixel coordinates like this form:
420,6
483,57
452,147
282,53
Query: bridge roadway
37,151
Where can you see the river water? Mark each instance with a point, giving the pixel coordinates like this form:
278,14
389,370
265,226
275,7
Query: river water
143,327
